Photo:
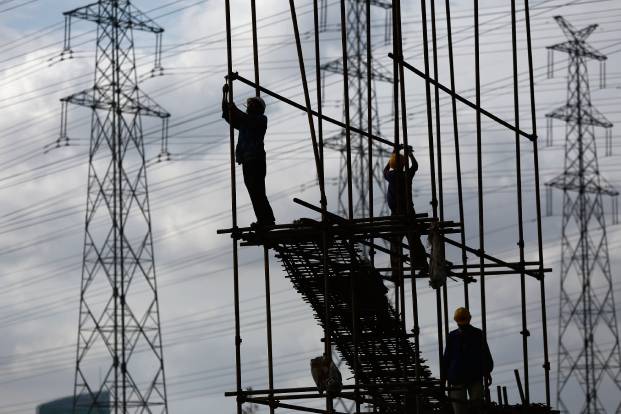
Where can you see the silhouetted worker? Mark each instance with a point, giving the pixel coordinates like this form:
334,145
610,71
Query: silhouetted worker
250,152
399,198
467,362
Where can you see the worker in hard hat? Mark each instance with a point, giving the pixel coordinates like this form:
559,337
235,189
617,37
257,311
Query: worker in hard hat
467,362
250,152
399,199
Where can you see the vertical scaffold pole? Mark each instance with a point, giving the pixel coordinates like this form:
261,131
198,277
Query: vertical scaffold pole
460,197
544,320
518,168
441,297
350,196
319,165
229,56
370,123
480,174
266,261
477,69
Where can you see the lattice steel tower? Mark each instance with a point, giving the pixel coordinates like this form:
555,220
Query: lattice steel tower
119,349
588,344
358,104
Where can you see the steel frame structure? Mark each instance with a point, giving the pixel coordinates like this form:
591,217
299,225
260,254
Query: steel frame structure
590,318
320,253
118,263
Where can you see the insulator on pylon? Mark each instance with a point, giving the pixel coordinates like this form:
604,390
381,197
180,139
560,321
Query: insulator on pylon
158,69
549,202
164,153
550,63
608,142
549,132
615,210
602,74
388,27
323,87
67,40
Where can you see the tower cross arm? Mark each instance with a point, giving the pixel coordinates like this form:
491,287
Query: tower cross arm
381,3
96,98
579,49
593,184
568,113
128,17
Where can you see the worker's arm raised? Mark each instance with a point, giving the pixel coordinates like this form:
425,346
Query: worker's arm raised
230,112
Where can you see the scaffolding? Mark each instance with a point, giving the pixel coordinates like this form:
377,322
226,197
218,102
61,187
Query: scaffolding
323,258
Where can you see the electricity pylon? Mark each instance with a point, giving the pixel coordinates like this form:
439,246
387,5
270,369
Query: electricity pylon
358,105
587,321
119,350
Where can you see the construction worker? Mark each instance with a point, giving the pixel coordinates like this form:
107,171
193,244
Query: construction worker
399,199
250,152
467,362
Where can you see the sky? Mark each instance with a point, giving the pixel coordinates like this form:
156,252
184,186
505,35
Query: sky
43,192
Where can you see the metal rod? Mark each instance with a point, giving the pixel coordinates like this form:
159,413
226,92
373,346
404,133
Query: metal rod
544,319
460,198
519,385
404,127
370,121
266,262
268,323
303,108
479,165
476,106
350,197
518,169
294,407
441,311
308,109
238,339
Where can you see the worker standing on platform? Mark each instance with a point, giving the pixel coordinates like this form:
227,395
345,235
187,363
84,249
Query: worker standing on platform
399,199
250,151
466,364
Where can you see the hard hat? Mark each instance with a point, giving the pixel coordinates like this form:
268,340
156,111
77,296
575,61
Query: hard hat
393,161
257,100
462,316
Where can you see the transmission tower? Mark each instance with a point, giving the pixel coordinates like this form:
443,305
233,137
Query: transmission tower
587,322
119,350
358,106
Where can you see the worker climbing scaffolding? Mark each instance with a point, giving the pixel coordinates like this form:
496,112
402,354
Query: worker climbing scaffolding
250,151
399,199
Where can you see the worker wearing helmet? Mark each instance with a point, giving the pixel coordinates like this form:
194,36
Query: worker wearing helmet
250,152
466,363
399,199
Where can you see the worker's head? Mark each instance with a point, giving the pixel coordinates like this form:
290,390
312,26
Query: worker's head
397,161
255,105
462,317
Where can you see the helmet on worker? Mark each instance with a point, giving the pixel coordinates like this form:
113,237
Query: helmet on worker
255,104
397,161
462,316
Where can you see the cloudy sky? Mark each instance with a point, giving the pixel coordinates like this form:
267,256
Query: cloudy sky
43,193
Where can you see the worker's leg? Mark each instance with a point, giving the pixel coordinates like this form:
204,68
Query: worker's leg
417,250
395,255
457,394
475,392
254,178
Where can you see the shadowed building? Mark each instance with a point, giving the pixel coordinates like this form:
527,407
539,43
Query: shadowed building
65,406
